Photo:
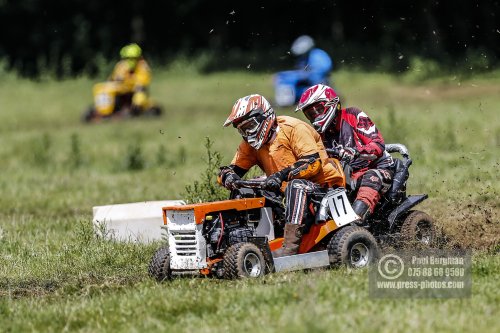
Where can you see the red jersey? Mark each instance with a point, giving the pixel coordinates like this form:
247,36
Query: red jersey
356,130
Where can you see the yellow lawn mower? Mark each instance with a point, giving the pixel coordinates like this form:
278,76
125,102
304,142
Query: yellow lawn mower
116,99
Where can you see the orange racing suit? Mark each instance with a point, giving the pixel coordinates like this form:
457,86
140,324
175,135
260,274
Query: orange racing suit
298,149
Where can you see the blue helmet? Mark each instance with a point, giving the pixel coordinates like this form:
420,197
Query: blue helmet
302,45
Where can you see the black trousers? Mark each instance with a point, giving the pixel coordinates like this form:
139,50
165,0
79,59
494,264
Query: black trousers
299,195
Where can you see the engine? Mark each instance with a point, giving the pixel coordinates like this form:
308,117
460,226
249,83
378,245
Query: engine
225,228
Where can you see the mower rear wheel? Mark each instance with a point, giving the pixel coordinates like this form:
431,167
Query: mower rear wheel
352,246
244,260
159,267
417,230
89,114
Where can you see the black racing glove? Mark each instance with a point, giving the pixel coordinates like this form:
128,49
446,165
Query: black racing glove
273,182
228,178
348,154
334,152
230,181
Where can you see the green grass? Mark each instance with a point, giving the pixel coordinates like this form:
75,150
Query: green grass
319,301
56,276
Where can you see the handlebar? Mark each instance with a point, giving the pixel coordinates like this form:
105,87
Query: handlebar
389,147
259,184
334,152
397,148
331,151
250,183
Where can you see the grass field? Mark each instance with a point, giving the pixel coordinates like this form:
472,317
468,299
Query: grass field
56,276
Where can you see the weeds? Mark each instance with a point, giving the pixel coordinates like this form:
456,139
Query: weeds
395,130
84,233
75,155
445,138
134,159
41,151
421,69
161,155
165,158
207,189
182,155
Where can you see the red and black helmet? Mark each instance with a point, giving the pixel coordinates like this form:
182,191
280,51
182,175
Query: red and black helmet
320,105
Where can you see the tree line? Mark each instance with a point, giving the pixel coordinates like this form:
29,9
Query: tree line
75,37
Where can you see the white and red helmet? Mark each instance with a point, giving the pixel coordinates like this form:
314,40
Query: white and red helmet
320,105
254,118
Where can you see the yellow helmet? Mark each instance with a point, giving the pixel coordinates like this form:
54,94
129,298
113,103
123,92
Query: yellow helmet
131,51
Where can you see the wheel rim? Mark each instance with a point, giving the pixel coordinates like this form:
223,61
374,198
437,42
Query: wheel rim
252,265
359,255
424,233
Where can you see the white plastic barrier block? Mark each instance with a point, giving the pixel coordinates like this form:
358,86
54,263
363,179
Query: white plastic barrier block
132,222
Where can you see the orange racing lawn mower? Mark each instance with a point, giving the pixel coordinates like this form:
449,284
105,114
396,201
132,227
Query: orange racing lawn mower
235,238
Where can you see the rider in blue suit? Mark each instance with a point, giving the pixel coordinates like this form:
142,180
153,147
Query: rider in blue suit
314,62
313,66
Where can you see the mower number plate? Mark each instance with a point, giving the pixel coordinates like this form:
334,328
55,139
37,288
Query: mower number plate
103,100
340,208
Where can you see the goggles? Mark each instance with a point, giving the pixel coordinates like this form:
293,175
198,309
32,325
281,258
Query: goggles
248,127
314,111
320,109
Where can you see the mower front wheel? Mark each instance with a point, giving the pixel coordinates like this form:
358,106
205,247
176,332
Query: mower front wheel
159,267
154,111
244,260
352,246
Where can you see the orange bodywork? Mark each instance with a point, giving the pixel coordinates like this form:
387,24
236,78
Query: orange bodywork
276,244
202,209
315,235
210,263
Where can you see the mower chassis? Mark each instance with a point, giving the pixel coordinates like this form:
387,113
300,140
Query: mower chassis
302,261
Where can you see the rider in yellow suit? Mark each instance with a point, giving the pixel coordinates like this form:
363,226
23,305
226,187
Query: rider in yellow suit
134,72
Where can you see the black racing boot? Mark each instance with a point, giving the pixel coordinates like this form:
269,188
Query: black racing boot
291,243
362,209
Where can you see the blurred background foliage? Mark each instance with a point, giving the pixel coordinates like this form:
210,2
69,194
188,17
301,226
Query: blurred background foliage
61,39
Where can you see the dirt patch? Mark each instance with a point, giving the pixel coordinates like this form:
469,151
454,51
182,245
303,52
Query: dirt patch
28,288
470,226
87,285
